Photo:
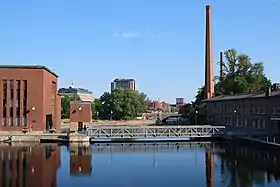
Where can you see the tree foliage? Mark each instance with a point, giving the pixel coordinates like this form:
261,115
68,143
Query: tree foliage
240,75
120,105
65,105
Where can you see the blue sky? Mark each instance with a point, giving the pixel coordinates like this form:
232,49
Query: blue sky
160,43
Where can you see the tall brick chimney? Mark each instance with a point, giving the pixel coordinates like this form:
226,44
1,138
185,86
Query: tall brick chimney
209,74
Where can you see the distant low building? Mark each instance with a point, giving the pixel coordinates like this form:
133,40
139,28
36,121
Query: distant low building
83,94
128,84
158,106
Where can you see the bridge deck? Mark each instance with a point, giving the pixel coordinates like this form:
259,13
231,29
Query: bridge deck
137,132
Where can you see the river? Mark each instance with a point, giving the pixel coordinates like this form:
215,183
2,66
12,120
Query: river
196,164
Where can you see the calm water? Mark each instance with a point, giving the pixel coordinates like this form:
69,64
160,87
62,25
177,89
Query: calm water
138,165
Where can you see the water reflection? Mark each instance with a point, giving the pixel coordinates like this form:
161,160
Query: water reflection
29,166
173,164
247,166
80,159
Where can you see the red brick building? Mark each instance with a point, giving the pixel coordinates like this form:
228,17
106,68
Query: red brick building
80,113
158,106
28,98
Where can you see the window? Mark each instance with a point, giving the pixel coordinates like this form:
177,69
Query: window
258,124
253,110
4,103
262,126
237,122
18,103
245,122
273,110
230,121
11,102
25,99
263,110
254,124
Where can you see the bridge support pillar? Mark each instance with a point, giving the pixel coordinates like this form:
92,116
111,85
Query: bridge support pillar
75,137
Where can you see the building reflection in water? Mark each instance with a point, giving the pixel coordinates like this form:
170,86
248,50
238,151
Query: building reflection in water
29,166
209,168
245,165
80,159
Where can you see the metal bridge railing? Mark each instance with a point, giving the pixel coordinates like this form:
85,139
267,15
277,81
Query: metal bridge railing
154,131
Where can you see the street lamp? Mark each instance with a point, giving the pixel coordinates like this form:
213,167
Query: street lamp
234,121
196,113
111,115
97,114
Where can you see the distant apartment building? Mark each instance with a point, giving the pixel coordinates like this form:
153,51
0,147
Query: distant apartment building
128,84
158,106
83,94
180,102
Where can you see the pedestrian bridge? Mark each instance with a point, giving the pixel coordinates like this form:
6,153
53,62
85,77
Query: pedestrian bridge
138,132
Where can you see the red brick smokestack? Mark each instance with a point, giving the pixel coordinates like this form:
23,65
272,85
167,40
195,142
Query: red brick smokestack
209,74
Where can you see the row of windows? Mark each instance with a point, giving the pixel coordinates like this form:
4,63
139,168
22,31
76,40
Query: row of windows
256,123
244,110
11,109
17,121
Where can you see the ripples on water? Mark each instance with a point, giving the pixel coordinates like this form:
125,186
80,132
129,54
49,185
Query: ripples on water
125,165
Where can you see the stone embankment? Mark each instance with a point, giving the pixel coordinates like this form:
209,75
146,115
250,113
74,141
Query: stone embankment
38,137
108,122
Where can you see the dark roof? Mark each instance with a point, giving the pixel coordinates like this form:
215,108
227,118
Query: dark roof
74,90
28,67
80,102
122,80
242,96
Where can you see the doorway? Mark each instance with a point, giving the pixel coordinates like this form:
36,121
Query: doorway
49,122
80,126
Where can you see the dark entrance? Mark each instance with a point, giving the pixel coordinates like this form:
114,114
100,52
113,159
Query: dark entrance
80,126
49,122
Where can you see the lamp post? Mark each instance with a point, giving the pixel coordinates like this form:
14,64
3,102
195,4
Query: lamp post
97,114
31,125
234,122
196,113
111,116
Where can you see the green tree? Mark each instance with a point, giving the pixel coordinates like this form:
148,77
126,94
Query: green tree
65,105
241,75
122,104
96,108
